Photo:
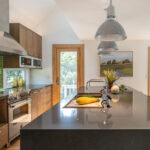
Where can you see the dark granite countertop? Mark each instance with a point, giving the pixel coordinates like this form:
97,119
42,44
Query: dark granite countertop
30,87
130,110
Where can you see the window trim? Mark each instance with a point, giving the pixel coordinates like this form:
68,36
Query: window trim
4,75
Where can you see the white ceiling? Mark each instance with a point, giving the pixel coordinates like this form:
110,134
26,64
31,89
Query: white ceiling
85,16
29,12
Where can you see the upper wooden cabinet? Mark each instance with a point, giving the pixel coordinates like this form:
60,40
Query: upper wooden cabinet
30,41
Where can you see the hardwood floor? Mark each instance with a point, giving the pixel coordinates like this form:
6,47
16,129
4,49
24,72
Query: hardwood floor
15,145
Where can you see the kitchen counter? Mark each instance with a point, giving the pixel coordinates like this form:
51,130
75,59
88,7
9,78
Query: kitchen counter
30,87
126,125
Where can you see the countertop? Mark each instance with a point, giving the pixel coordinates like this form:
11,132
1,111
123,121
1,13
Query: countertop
130,110
30,87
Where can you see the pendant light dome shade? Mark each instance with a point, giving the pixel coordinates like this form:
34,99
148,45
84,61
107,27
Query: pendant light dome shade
107,46
101,53
110,30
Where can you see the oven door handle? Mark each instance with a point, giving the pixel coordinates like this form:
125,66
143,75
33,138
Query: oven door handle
19,104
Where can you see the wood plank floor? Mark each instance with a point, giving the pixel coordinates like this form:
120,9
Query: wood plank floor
15,145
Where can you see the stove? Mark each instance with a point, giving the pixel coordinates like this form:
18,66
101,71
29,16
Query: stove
19,112
19,96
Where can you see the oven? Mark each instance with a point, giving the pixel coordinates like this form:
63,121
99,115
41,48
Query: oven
19,115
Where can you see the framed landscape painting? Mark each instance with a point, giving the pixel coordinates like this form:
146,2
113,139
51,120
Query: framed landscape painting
119,61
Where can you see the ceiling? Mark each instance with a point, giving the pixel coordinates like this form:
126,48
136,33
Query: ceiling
29,12
85,16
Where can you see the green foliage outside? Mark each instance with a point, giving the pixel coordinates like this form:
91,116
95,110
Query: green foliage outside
68,69
11,74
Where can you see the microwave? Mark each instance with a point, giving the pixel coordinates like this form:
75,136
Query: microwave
30,62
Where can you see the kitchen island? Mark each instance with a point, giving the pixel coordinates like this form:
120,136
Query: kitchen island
125,126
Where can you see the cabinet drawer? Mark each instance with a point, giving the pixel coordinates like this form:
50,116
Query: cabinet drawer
3,135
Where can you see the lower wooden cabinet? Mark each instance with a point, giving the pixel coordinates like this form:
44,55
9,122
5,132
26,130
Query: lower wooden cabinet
3,135
41,101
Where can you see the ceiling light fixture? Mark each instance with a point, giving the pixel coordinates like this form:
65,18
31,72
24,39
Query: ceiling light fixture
103,53
105,46
111,30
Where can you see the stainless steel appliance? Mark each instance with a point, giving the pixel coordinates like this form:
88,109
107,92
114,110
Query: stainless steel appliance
8,45
19,113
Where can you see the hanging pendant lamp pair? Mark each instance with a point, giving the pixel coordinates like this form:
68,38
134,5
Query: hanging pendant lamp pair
109,32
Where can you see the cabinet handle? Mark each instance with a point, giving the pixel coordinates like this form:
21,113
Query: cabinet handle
0,131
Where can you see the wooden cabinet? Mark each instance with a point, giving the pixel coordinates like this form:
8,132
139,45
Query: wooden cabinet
3,123
3,135
41,101
37,45
29,40
29,36
35,103
3,111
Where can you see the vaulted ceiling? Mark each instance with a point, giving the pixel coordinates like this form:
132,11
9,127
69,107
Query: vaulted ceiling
30,12
85,16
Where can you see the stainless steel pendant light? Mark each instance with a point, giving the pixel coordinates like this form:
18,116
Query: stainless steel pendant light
102,53
111,30
105,46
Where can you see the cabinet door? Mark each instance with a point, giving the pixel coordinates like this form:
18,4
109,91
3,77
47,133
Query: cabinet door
3,135
35,104
23,36
3,111
39,47
30,42
48,93
42,100
35,45
45,99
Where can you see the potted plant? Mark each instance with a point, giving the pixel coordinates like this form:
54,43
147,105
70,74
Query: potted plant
111,77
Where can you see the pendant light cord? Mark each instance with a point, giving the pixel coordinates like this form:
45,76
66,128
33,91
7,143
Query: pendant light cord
111,2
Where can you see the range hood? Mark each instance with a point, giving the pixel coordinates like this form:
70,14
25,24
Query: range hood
8,45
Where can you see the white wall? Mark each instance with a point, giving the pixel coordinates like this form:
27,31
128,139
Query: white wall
140,60
55,29
4,15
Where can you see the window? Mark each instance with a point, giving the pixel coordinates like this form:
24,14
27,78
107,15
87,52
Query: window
10,74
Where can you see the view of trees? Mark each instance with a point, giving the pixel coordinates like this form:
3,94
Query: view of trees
68,69
11,74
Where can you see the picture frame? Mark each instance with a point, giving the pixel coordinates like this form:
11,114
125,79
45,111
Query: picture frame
119,61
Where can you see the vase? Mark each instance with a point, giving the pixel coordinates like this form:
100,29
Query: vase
110,85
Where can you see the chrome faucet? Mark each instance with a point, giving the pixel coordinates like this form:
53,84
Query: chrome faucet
105,97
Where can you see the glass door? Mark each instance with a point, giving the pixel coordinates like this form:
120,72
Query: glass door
68,70
68,73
